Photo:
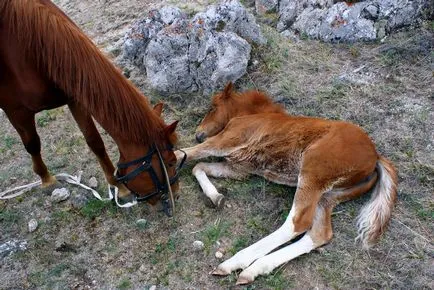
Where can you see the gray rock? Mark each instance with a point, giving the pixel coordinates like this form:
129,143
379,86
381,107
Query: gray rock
12,246
338,23
218,58
266,6
166,60
60,194
230,16
32,225
201,54
93,182
364,20
288,12
290,34
370,12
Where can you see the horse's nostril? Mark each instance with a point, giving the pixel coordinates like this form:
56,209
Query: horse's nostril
200,137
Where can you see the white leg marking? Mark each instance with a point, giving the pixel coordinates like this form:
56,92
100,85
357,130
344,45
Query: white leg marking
208,188
245,257
268,263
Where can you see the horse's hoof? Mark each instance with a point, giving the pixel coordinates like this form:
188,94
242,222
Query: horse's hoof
47,189
219,272
50,182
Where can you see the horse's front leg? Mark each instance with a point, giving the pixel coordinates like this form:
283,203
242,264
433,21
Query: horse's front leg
223,169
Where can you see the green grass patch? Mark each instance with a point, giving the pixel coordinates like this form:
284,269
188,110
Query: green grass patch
256,224
125,283
95,208
9,217
45,117
214,232
62,216
239,244
277,281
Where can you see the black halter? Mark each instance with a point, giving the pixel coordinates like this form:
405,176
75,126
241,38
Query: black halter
161,188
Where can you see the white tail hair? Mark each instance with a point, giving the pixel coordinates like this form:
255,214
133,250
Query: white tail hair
375,215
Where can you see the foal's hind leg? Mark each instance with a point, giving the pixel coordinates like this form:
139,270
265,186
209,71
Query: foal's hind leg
95,143
320,234
201,170
24,123
299,220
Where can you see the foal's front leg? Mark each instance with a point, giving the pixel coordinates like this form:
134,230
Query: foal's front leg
223,169
211,147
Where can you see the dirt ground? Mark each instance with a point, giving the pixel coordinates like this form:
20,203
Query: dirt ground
81,243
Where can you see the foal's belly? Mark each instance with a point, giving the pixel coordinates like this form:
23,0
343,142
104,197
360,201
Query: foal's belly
286,178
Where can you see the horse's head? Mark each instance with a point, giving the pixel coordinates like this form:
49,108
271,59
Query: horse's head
223,108
229,104
150,175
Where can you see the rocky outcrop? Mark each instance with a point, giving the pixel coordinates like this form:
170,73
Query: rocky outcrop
199,54
346,21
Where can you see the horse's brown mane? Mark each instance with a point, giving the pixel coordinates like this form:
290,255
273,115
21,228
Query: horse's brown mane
74,64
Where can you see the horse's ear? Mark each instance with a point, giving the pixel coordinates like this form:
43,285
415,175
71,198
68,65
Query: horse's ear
158,108
170,129
228,90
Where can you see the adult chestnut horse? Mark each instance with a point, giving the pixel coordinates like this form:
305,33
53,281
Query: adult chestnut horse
46,61
328,161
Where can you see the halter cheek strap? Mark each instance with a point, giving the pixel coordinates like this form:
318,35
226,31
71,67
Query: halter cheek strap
162,188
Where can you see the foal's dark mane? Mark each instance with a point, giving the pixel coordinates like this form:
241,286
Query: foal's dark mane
68,58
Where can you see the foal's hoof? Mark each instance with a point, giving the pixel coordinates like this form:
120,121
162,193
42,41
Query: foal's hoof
244,280
219,272
220,202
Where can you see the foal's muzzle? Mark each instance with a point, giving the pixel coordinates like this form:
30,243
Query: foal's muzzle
200,137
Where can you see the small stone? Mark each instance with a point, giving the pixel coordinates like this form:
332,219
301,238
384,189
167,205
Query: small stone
141,223
218,255
33,224
60,194
143,268
228,205
221,250
93,182
153,287
198,245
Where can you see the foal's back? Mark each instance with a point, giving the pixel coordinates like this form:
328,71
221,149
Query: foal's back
277,141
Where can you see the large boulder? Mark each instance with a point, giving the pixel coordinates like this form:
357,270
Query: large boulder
182,55
347,21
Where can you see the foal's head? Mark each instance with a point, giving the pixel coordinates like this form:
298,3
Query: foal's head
229,104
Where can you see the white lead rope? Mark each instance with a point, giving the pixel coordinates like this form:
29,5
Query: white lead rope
72,179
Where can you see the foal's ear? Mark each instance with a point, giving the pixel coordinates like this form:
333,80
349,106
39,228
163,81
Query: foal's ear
170,129
158,108
228,90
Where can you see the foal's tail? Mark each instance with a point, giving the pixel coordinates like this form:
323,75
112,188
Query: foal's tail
375,215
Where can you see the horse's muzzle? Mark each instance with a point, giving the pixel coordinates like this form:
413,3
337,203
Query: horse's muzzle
200,137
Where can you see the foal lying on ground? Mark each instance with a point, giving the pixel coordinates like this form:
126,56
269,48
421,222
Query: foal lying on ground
328,161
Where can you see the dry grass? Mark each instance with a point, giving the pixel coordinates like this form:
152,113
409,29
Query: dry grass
101,246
